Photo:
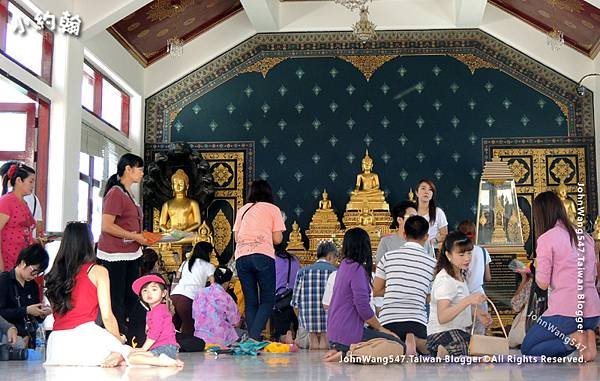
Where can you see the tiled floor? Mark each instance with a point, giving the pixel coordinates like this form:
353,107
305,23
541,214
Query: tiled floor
300,366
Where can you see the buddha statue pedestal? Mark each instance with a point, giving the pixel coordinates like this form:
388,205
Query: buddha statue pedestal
324,226
375,222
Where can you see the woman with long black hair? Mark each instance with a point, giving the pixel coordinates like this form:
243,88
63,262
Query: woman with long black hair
16,221
349,309
119,246
566,263
77,289
195,272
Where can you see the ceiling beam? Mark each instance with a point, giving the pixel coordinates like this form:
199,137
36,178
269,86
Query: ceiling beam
595,3
469,13
96,16
264,14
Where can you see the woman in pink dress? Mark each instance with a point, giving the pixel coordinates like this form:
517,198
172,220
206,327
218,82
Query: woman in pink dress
16,221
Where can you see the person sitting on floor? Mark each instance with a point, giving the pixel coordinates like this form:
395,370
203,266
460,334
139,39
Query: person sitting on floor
20,293
215,313
403,278
450,315
308,295
160,347
349,309
195,272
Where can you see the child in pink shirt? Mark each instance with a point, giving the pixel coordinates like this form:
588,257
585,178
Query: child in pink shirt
160,347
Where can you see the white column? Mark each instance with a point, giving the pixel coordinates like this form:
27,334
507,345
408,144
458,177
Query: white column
65,132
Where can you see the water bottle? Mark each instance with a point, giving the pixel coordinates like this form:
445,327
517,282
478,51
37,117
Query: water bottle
40,341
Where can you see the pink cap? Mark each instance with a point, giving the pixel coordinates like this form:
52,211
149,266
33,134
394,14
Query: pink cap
141,281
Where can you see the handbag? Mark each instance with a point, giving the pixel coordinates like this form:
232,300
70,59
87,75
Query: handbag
283,300
374,350
488,345
517,330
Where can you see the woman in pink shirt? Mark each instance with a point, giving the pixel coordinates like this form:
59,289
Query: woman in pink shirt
16,220
566,264
258,226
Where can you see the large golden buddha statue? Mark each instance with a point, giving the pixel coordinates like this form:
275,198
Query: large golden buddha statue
181,213
568,203
367,189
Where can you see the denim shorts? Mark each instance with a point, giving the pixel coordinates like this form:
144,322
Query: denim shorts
169,350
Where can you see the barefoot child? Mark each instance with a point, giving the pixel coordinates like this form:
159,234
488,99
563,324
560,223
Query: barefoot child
160,347
450,315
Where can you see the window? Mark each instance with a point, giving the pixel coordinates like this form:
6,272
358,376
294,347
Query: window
104,99
33,49
97,161
24,127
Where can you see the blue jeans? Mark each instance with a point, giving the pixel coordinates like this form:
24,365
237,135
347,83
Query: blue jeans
550,335
257,274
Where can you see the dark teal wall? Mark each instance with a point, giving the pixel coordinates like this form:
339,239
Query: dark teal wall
488,103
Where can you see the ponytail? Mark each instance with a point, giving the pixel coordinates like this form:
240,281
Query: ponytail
13,170
128,159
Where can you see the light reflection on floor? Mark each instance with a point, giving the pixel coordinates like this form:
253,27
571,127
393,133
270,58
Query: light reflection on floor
300,366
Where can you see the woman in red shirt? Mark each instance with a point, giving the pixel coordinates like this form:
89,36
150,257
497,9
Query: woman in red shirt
119,246
77,289
16,221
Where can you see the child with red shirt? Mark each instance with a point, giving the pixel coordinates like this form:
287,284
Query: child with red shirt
160,347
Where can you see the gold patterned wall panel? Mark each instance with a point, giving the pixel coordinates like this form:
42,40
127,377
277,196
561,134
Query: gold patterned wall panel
227,168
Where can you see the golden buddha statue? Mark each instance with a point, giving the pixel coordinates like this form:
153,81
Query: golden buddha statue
204,234
568,203
367,188
295,241
499,235
366,215
411,196
325,203
180,212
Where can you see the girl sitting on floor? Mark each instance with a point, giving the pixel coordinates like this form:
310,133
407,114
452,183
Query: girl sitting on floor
450,315
215,313
160,347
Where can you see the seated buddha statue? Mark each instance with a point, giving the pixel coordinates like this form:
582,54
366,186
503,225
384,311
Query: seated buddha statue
367,188
180,212
295,241
366,215
568,203
325,203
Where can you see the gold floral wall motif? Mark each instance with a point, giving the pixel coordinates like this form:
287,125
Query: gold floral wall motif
368,65
221,232
264,66
473,62
162,9
228,172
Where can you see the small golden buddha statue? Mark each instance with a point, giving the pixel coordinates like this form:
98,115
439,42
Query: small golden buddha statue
367,188
325,203
204,234
366,215
568,203
411,195
499,235
295,241
180,212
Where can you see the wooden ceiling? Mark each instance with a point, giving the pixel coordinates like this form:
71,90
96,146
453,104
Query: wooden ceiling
144,33
577,19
